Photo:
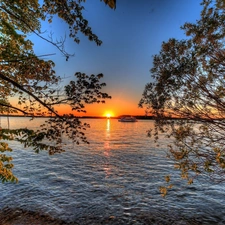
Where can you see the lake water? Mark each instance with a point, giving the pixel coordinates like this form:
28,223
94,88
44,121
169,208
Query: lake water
117,176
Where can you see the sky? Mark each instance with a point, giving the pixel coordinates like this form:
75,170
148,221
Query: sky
131,35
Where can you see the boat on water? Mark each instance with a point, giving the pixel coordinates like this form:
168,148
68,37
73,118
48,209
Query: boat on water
127,119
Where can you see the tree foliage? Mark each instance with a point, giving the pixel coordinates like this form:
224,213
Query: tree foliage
32,80
187,95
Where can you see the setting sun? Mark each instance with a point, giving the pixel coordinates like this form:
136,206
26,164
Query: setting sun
108,114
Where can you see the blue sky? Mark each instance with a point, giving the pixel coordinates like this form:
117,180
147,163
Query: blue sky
131,35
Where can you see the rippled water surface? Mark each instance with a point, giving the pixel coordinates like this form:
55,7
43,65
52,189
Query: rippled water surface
117,175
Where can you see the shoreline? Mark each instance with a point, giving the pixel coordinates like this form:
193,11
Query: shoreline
16,216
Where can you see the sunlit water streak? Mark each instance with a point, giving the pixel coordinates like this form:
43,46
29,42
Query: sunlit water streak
118,174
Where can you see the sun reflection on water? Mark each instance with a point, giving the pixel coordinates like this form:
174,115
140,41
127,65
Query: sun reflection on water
108,125
107,168
107,138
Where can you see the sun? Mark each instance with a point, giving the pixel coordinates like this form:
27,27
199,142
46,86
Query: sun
108,114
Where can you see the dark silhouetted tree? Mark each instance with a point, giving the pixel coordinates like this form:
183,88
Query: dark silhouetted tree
189,84
32,80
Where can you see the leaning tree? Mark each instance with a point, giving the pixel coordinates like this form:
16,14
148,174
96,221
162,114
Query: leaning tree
28,83
187,96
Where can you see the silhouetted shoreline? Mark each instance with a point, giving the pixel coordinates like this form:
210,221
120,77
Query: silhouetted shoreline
83,117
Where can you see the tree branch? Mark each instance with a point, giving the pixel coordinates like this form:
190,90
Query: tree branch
25,58
13,107
35,32
29,93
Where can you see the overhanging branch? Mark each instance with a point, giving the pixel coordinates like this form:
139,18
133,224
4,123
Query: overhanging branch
35,32
25,58
2,76
13,107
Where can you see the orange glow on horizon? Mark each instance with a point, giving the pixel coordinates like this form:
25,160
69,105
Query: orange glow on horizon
114,108
117,106
108,114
